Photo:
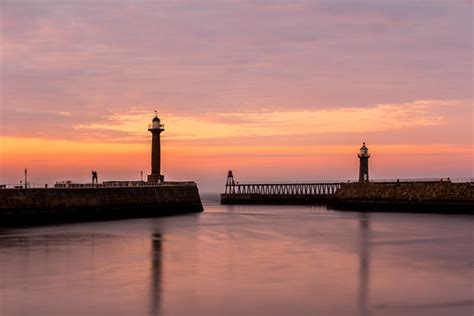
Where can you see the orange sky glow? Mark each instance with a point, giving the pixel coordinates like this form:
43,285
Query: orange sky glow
288,99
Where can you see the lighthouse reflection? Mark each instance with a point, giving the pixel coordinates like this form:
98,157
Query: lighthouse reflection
364,263
156,262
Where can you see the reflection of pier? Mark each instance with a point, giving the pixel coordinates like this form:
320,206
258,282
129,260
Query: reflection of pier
155,286
364,264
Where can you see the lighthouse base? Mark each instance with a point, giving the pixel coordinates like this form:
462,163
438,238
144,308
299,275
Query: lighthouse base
156,178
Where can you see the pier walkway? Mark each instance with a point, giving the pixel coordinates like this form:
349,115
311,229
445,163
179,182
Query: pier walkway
278,193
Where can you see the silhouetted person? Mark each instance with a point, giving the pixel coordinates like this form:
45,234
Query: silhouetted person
95,178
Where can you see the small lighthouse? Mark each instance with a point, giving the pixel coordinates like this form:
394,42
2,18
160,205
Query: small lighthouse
156,128
364,163
230,184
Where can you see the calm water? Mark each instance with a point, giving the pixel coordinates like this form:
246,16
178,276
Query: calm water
242,260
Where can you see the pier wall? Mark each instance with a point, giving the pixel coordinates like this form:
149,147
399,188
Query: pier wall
74,204
436,196
427,196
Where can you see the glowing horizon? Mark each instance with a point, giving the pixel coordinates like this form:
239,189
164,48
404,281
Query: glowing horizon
273,91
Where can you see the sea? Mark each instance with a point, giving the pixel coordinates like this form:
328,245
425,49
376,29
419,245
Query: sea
242,260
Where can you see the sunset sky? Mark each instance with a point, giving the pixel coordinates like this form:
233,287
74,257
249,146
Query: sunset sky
274,90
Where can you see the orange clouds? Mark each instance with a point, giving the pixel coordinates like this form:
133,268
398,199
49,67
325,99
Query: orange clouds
267,145
278,91
378,118
49,161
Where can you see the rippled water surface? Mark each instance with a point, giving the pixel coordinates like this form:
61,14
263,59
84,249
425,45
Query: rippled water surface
242,260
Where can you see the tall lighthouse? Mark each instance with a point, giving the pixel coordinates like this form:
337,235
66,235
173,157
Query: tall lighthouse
156,128
364,163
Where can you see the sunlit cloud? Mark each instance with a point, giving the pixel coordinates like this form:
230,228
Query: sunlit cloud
379,118
242,84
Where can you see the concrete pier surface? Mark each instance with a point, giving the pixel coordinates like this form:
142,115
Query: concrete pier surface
38,206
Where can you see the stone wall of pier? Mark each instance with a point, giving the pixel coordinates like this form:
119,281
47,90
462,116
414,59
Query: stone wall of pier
433,197
70,204
407,191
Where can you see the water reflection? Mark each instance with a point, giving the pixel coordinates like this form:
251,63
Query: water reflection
364,263
265,261
156,261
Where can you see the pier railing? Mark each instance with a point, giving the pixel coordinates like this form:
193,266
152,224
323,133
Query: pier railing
105,184
325,188
457,180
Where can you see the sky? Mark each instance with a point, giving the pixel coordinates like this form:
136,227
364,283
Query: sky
274,90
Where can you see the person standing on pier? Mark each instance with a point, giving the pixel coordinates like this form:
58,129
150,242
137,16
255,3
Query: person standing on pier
95,178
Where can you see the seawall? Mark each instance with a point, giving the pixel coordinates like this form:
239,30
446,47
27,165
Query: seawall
432,197
422,196
34,206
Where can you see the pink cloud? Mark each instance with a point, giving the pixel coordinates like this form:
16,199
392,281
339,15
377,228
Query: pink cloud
214,60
